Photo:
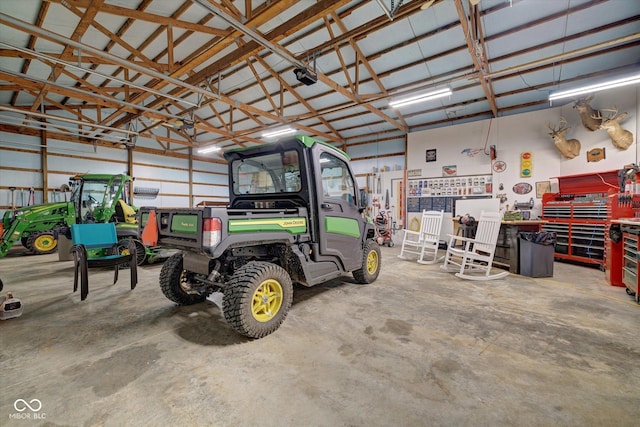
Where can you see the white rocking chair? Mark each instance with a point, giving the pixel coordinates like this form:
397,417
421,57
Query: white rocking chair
475,255
425,241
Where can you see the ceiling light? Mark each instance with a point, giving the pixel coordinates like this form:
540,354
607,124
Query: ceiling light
279,132
209,149
420,98
595,88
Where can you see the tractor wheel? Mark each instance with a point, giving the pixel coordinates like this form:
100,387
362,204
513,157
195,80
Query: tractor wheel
174,282
370,264
257,299
24,240
42,242
141,250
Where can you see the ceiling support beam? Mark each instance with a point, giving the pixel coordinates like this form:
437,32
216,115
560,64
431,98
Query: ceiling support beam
267,12
42,13
301,99
82,27
288,56
365,62
16,23
66,64
146,16
484,82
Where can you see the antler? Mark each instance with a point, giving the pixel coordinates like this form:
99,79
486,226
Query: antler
583,101
563,121
560,129
615,112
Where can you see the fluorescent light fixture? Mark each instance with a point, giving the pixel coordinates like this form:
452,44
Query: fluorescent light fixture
595,88
420,98
209,149
279,132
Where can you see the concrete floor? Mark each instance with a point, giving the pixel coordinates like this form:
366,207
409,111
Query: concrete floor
418,347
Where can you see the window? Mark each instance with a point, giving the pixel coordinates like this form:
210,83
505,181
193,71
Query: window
337,182
267,174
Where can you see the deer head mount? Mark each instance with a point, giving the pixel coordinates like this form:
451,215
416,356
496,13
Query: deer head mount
569,148
587,114
620,138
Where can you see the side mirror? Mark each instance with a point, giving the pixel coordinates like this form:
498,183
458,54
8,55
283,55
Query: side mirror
363,200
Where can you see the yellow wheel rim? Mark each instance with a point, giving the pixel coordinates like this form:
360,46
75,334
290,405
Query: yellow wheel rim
45,243
372,262
184,285
267,300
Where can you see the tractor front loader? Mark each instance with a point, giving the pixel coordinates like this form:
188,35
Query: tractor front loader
95,198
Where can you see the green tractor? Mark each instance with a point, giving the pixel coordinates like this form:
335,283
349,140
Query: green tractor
95,198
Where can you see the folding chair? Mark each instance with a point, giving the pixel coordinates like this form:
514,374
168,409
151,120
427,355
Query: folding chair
476,254
425,241
96,245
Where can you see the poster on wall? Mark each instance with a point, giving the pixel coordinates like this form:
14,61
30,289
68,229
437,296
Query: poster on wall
451,170
542,187
431,155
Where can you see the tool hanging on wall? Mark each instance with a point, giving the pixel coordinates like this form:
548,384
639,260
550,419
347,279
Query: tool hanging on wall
524,206
65,188
13,200
32,197
22,197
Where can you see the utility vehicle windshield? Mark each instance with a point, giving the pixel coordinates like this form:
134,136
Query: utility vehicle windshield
267,174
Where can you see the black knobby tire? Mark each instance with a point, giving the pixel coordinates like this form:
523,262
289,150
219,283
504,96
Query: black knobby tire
24,241
42,242
141,252
172,277
371,261
257,299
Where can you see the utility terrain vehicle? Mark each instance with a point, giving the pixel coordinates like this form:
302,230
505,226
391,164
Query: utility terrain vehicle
295,215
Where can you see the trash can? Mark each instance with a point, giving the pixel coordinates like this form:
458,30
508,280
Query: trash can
64,244
536,253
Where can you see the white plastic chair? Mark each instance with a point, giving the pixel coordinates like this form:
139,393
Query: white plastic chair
425,241
475,255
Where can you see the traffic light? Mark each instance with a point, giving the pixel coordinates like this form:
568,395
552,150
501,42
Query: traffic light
526,164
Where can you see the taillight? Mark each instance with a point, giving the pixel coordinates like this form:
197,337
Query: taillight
211,232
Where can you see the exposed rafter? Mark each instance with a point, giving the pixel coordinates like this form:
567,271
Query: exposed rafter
227,64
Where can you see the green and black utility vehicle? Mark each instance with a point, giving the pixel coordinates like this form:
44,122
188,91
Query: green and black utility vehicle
295,215
94,198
